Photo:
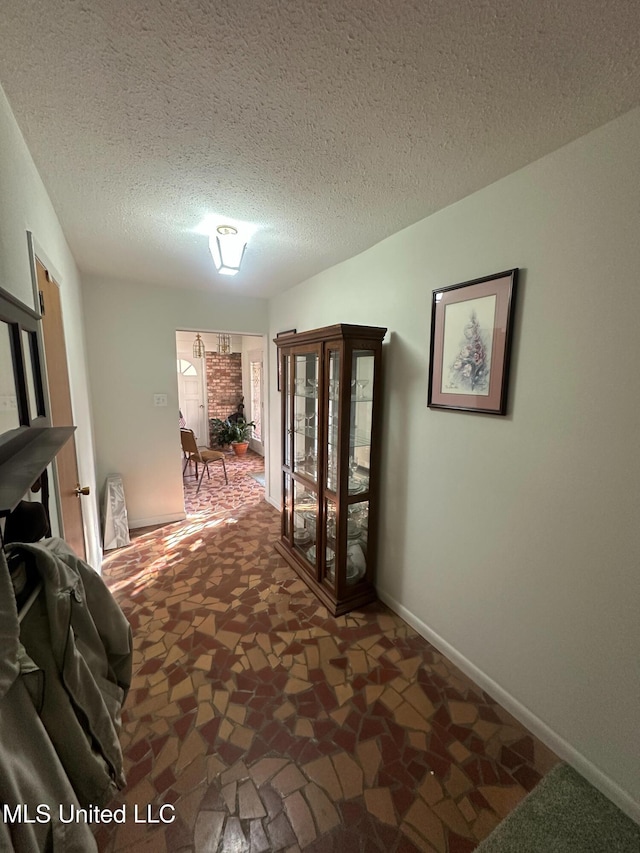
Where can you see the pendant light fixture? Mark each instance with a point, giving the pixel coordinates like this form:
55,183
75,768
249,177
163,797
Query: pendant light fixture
198,347
224,344
227,249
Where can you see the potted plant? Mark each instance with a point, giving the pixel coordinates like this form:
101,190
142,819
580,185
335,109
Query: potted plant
220,432
240,431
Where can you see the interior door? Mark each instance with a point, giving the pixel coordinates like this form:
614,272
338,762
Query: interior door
191,397
57,372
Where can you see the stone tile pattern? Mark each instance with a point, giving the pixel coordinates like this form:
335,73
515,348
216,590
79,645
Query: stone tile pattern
272,726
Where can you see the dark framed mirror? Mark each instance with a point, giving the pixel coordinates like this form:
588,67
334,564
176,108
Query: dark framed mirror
9,410
28,442
22,401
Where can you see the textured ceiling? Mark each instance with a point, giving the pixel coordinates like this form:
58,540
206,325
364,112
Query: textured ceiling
328,125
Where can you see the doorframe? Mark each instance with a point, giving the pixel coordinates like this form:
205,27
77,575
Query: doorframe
250,360
266,390
37,253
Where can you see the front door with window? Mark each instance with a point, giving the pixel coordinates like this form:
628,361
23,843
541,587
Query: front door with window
191,396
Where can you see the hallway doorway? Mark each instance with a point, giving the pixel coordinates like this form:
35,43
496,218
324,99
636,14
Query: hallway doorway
223,378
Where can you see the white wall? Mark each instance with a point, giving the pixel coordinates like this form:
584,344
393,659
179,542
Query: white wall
132,329
513,542
25,206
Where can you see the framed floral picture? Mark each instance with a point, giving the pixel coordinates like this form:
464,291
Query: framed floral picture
471,331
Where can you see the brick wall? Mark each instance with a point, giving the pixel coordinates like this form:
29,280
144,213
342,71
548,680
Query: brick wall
224,383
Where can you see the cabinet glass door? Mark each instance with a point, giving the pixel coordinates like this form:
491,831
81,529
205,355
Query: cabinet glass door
328,567
361,421
305,415
286,504
333,420
305,521
286,383
357,535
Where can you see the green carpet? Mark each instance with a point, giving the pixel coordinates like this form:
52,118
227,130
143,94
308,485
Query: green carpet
564,814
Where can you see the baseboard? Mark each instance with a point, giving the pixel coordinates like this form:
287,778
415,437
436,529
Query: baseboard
274,503
156,519
533,723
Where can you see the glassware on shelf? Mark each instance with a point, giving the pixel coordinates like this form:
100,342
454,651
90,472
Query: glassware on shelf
299,420
357,483
313,385
356,563
311,462
332,470
353,529
361,384
358,523
302,537
329,560
356,487
300,386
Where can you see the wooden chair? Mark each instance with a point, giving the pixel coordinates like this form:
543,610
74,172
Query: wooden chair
193,453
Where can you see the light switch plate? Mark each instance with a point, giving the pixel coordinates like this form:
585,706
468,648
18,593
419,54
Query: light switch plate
159,399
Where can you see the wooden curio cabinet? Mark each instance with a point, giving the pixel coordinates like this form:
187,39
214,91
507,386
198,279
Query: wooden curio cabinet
330,381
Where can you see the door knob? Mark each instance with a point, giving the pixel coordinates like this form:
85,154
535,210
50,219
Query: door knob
81,490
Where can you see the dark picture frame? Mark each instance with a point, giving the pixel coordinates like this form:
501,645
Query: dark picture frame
471,337
281,335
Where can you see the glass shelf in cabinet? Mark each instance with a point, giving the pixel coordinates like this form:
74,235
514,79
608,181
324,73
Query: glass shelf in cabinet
356,439
359,439
307,432
310,474
360,388
306,512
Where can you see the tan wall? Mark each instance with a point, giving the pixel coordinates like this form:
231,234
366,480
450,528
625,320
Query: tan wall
132,328
513,542
25,205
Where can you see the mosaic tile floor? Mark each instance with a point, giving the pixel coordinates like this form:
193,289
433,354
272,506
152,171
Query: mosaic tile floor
271,726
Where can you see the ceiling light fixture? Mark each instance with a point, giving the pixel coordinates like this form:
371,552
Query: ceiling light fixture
198,347
227,249
224,344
